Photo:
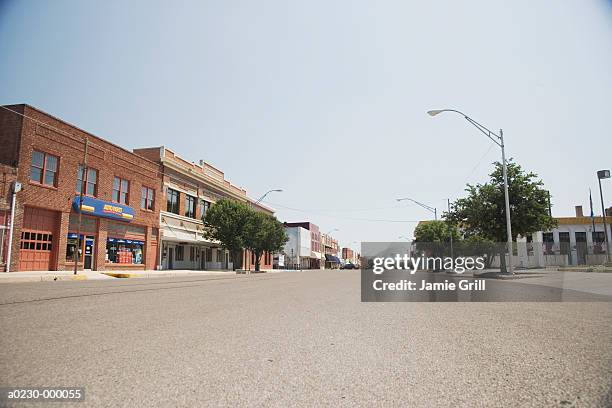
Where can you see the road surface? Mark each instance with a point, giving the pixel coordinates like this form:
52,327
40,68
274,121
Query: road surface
299,339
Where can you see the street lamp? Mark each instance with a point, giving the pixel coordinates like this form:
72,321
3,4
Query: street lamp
499,141
604,174
427,207
277,190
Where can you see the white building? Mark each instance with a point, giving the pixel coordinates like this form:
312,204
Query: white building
297,250
572,242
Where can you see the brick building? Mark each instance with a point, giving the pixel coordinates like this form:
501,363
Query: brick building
119,212
189,189
8,175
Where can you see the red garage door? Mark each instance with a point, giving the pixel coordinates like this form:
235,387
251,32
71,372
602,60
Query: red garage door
37,233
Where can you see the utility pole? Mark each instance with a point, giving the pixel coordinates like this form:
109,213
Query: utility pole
450,232
602,174
15,189
83,186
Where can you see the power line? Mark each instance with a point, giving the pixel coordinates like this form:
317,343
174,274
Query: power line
341,217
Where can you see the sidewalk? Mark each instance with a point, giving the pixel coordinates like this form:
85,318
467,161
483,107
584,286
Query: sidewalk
44,276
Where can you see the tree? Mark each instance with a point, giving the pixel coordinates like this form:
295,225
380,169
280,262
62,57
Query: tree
264,233
433,237
226,222
482,213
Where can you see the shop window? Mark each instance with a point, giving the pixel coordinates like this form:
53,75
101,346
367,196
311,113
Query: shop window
121,191
190,206
71,245
179,254
208,255
172,198
124,251
192,252
88,180
147,197
219,255
44,168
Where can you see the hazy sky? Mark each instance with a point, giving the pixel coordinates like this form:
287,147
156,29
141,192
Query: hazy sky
327,99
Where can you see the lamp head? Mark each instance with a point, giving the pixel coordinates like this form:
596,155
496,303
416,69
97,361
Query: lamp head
603,174
434,112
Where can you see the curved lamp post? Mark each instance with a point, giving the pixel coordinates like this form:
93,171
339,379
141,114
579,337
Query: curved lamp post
425,206
277,190
499,141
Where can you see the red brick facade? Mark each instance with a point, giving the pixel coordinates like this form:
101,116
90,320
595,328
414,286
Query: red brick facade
48,208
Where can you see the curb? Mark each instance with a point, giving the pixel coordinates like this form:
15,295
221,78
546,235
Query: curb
49,278
502,276
123,275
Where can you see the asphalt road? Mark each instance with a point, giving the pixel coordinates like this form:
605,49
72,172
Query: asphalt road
299,339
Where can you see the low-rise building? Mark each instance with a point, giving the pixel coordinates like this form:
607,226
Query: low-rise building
315,258
190,189
116,224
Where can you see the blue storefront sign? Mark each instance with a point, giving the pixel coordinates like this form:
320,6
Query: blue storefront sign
101,208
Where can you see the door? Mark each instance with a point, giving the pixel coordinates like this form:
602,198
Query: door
89,252
170,257
564,246
36,244
581,247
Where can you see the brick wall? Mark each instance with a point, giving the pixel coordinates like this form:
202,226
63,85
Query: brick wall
48,134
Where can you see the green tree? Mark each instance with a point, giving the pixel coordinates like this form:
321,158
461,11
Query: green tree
482,213
433,237
226,222
264,233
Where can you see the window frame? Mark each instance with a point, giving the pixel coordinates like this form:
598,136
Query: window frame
190,209
121,191
44,169
146,190
172,192
86,182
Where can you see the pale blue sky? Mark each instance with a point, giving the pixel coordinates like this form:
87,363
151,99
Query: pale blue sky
327,99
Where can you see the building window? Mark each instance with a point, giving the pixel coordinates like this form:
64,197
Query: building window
204,206
147,197
190,206
124,251
44,168
208,255
121,189
90,181
173,201
220,255
179,253
192,251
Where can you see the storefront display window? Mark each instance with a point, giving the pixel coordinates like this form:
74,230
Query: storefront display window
124,251
71,247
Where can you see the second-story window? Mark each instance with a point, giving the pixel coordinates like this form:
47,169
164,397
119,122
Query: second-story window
89,181
121,189
190,206
172,198
44,168
147,198
204,206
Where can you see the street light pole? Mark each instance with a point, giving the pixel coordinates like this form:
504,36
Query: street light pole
499,141
277,190
603,174
427,207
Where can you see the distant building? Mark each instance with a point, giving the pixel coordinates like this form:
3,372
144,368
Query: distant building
305,259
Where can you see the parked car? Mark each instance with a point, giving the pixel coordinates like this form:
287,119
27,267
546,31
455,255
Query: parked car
348,266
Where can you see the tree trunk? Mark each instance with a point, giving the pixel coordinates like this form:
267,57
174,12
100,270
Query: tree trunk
237,259
257,262
502,262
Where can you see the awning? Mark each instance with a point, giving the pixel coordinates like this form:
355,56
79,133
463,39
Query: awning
332,258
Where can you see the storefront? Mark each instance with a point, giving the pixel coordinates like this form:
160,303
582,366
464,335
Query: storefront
106,238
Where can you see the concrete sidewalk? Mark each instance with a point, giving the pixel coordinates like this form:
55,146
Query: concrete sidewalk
44,276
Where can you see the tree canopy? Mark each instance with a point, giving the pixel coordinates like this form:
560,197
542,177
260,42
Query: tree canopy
237,226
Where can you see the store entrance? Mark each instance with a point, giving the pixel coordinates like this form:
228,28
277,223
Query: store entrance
89,252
